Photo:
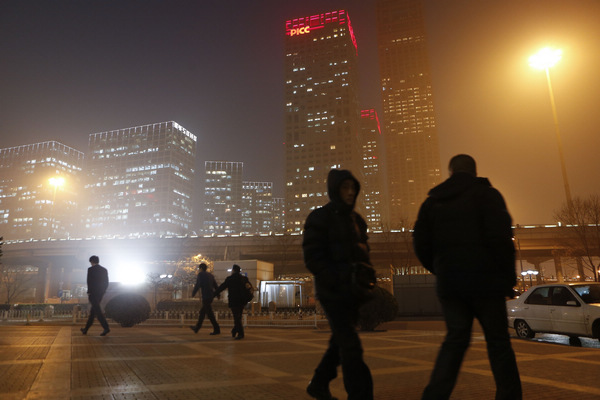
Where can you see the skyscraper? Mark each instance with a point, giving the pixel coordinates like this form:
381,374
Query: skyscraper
322,112
223,197
141,181
40,186
372,193
412,151
257,207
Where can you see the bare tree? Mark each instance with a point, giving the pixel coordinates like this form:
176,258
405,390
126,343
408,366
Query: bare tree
156,282
582,218
15,279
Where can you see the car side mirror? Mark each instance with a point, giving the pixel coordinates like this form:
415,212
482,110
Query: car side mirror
572,303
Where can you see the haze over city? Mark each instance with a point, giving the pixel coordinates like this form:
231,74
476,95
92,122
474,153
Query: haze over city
72,68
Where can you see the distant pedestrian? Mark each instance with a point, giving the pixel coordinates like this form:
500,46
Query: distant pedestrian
97,283
206,283
463,235
238,286
335,241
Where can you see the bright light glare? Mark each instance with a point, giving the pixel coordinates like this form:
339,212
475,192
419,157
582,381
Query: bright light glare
545,58
57,181
129,275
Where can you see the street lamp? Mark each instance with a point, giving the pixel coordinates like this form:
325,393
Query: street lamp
530,272
545,59
56,182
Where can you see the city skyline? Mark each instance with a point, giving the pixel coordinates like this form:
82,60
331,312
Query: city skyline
75,69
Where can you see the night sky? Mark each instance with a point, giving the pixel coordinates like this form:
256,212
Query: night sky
71,68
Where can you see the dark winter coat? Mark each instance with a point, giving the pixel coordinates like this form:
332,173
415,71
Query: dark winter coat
463,235
235,284
97,280
335,237
206,282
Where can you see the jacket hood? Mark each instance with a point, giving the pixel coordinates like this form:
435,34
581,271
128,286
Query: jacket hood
334,181
457,184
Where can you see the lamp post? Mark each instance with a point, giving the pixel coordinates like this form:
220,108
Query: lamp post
530,272
545,59
56,182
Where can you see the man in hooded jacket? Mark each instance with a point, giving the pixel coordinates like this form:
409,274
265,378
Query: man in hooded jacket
463,235
335,239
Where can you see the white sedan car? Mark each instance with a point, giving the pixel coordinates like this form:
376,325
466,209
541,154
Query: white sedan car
566,309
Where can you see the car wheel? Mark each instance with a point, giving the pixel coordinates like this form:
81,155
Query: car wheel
596,329
574,341
523,330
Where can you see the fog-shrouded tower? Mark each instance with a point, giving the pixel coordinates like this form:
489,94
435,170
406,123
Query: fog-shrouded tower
412,151
140,181
322,112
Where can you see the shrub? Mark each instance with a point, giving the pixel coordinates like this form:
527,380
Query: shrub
381,308
128,309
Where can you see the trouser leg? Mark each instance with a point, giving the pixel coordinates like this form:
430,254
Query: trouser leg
97,311
201,316
211,317
491,313
459,321
237,312
357,376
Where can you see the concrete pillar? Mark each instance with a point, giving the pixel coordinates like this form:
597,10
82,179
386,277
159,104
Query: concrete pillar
560,276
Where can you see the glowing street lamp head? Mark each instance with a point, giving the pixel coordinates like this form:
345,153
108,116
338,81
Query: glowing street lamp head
545,58
57,181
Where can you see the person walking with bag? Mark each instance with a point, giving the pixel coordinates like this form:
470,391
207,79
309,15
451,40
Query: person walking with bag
335,245
463,235
239,293
206,283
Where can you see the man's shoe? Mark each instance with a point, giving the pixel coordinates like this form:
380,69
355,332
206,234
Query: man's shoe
239,337
105,332
83,330
233,332
215,333
319,392
194,328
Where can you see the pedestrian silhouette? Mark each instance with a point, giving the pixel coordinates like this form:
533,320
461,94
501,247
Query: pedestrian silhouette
206,283
238,286
334,243
463,235
97,283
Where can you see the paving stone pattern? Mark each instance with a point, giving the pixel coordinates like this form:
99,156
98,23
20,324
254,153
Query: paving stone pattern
44,361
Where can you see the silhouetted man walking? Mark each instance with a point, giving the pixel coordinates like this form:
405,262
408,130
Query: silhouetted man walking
335,240
208,285
97,282
463,235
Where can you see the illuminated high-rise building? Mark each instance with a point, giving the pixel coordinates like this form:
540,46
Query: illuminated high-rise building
40,187
322,112
412,151
222,197
371,143
257,207
140,181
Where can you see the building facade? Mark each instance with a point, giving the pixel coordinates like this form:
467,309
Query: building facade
257,207
140,181
40,191
322,111
411,141
222,197
371,143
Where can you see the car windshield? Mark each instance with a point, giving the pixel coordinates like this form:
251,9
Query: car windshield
588,293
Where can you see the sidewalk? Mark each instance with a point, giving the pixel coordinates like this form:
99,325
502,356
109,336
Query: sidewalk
57,362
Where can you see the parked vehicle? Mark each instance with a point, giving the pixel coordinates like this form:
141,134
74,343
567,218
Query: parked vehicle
566,309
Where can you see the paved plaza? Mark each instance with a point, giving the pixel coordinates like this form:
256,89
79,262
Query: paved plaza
45,361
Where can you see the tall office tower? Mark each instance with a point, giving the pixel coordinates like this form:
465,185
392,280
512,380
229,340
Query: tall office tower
140,181
278,215
223,197
321,109
257,207
40,186
372,170
412,151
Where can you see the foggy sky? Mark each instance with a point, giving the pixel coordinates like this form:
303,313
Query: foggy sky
72,68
